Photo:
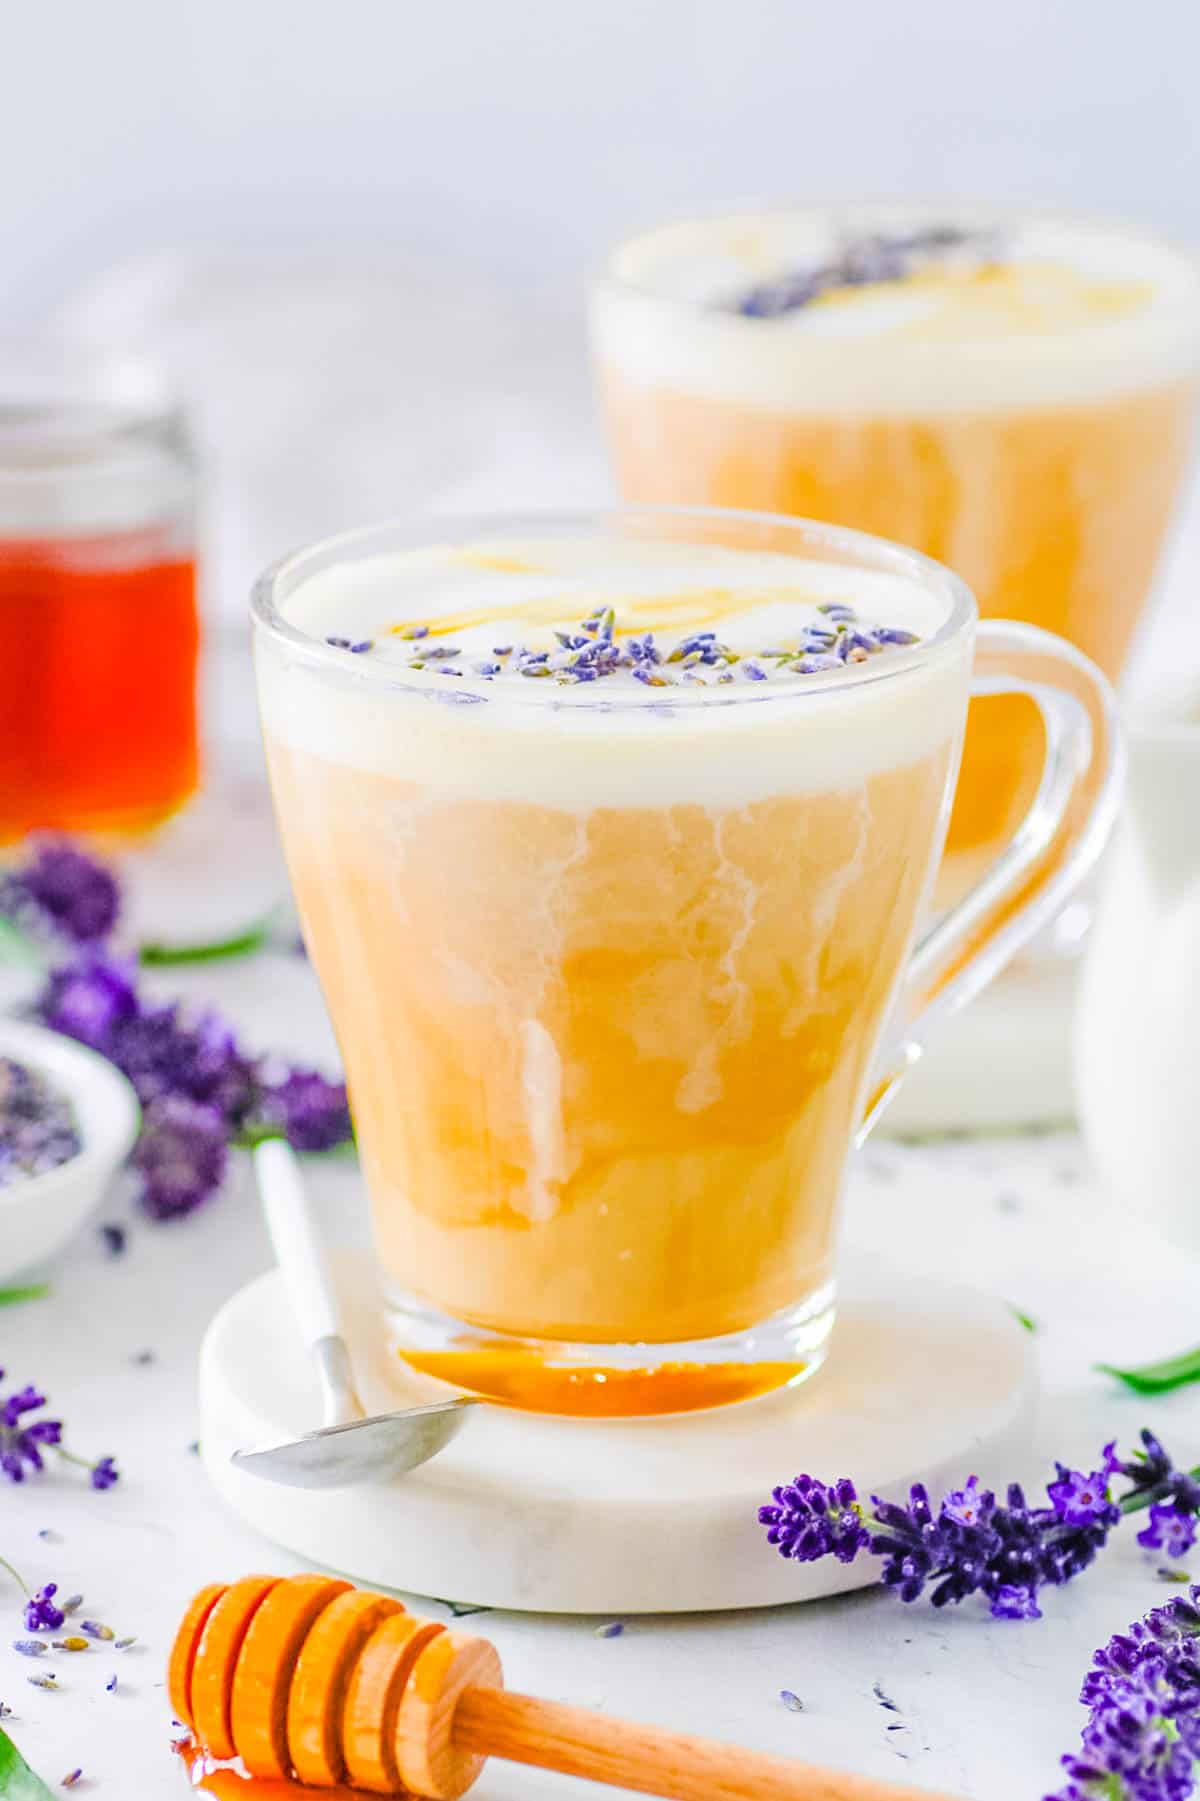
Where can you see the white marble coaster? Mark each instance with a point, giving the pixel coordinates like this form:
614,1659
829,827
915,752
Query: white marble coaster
645,1516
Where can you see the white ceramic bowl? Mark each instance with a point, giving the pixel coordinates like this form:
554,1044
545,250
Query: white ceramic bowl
40,1214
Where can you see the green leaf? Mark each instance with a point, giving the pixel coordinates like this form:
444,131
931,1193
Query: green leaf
1158,1378
17,1781
241,944
33,1291
15,947
1023,1319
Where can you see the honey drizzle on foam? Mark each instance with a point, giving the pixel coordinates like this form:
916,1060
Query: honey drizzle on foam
1012,296
690,609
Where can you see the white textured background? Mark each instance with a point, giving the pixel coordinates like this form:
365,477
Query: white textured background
509,140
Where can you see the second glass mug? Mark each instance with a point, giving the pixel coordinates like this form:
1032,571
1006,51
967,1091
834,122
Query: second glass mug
1036,449
620,985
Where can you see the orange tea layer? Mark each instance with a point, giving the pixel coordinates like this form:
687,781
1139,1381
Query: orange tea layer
608,960
1014,399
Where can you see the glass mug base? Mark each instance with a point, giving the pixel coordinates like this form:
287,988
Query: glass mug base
613,1381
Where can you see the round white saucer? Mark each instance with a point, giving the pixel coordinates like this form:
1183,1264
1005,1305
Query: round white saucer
931,1383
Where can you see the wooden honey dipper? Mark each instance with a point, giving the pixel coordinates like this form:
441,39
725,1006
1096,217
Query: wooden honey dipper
308,1676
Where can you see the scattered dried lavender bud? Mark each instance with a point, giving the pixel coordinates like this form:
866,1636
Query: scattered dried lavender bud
74,1643
38,1129
71,1778
44,1680
111,1685
123,1644
94,1629
49,1536
792,1702
6,1712
30,1647
71,1605
143,1359
613,1630
113,1239
883,1699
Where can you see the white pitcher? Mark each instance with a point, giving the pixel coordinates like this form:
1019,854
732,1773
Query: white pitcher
1138,1024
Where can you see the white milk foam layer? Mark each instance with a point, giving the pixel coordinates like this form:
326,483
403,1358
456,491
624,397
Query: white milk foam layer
613,742
897,347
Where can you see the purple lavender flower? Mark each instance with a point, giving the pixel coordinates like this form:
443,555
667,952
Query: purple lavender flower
311,1111
1172,1530
809,1520
21,1442
88,999
42,1614
105,1473
181,1155
1143,1699
1080,1499
66,892
1014,1602
165,1052
966,1506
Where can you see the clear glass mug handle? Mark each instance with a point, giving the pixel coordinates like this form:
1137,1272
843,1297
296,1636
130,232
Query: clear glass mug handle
1055,846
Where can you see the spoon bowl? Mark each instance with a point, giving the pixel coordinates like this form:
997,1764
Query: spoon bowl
376,1448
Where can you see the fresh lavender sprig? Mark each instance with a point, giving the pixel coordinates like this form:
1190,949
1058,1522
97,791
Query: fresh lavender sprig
22,1441
971,1543
201,1093
1142,1694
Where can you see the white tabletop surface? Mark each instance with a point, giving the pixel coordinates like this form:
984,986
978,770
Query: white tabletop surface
984,1708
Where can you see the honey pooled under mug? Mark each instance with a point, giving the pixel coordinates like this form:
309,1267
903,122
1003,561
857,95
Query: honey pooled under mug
611,837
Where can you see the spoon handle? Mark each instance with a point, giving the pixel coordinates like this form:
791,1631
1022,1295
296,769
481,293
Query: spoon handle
301,1258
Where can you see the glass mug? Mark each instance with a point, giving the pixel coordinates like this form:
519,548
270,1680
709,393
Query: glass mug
620,983
1025,419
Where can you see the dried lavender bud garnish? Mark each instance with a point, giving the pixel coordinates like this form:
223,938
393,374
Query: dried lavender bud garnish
44,1679
123,1644
598,647
613,1630
791,1701
95,1629
111,1685
974,1544
74,1643
71,1605
30,1647
72,1778
863,262
885,1700
114,1239
49,1536
38,1129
